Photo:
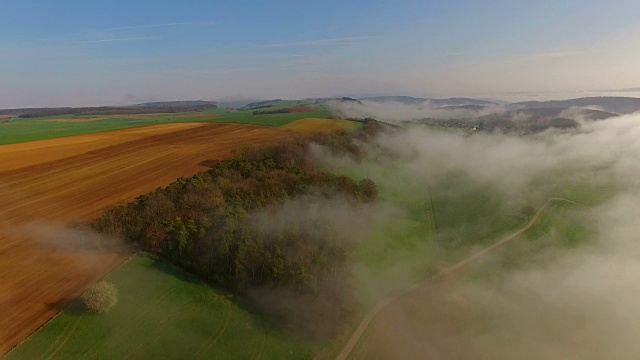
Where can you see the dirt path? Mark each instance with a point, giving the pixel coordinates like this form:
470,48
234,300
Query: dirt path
371,315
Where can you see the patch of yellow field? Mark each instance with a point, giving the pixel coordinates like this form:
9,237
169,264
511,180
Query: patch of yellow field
76,119
14,156
316,125
182,115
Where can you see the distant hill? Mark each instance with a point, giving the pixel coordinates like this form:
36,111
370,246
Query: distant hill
234,104
261,104
344,99
618,105
165,104
347,99
465,107
409,100
557,112
522,121
399,99
609,104
459,101
149,108
285,110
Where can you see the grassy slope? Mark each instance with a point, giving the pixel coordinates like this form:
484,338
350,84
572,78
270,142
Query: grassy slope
322,125
401,246
21,130
405,246
246,117
562,227
562,221
162,314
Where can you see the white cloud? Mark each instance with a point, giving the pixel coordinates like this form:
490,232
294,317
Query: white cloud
321,42
189,23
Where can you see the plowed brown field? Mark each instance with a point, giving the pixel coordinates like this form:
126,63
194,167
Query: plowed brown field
72,179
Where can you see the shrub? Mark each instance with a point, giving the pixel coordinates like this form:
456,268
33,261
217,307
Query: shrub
100,297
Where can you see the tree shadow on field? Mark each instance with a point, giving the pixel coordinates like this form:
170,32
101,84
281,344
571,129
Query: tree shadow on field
167,268
69,305
209,163
263,322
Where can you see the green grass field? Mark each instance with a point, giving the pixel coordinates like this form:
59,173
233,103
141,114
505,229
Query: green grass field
561,228
401,247
163,314
437,222
246,117
22,130
565,222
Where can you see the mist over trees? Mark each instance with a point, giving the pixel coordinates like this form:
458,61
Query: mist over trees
471,114
227,226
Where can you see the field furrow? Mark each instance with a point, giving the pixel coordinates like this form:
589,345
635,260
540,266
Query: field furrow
71,179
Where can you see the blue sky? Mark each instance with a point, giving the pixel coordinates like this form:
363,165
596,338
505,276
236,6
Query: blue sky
55,53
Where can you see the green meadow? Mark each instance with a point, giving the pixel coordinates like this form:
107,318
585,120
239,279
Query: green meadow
163,313
21,130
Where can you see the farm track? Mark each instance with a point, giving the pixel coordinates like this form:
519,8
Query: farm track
90,172
259,349
203,351
444,274
67,335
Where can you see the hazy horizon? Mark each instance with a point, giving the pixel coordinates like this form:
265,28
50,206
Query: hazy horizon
111,53
506,98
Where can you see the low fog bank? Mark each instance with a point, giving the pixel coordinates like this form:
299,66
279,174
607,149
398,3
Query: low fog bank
488,117
511,162
66,237
390,111
568,302
351,221
322,311
521,168
578,304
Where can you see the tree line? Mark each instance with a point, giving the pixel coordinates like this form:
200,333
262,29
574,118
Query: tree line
27,113
206,224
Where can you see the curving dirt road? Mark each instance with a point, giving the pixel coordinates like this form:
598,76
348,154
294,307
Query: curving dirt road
371,315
